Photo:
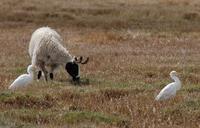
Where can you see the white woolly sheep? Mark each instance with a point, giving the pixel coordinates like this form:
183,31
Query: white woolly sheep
46,50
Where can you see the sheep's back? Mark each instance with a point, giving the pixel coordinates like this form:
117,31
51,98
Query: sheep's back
39,35
46,47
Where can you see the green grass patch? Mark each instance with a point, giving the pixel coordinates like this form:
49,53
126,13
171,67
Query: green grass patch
7,94
19,100
30,117
87,116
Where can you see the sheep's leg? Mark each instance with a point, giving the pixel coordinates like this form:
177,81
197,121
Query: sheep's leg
45,74
51,72
53,67
39,75
44,71
51,76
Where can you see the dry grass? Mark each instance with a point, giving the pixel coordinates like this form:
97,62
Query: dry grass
132,45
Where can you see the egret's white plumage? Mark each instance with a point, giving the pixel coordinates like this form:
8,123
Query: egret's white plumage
170,90
23,80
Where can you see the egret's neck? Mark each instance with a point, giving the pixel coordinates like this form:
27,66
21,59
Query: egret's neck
30,72
176,80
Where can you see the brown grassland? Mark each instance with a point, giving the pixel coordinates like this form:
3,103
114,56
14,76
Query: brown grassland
132,45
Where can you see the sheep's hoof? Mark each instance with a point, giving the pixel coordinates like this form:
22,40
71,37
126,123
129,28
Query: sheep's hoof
81,82
75,82
85,82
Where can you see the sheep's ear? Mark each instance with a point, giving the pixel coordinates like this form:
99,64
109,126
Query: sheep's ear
73,70
86,61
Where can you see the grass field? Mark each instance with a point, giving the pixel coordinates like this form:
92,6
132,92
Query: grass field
132,45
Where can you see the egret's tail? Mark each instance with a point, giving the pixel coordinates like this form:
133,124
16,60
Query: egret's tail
157,98
11,87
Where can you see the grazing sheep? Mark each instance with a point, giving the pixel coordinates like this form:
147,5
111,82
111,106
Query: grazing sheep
46,50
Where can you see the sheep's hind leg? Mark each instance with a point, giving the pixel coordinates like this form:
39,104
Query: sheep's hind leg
53,67
51,76
39,75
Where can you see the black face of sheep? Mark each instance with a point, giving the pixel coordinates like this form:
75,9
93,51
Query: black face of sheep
73,67
73,70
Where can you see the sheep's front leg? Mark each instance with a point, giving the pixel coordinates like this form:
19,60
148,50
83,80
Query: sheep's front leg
45,74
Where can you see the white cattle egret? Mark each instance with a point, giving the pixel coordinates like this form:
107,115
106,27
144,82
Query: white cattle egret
170,90
23,80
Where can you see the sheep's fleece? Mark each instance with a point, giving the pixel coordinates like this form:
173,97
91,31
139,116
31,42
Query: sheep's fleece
46,48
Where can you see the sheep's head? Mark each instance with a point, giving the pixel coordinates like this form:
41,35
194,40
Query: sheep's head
73,67
73,70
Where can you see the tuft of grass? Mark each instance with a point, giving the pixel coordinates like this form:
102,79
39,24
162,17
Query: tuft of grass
191,16
191,105
191,88
114,93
